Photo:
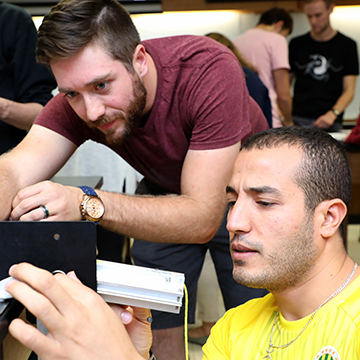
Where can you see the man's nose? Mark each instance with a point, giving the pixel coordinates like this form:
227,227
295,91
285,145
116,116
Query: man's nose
239,218
94,108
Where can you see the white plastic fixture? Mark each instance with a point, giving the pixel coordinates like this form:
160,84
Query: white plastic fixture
140,286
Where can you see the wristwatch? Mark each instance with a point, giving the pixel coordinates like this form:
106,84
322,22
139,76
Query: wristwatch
92,208
336,111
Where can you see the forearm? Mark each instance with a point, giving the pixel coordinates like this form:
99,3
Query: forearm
285,106
9,187
17,114
165,219
343,101
284,100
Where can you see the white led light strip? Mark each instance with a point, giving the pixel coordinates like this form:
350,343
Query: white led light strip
140,286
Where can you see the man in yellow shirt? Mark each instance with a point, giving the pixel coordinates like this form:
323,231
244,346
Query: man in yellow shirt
288,197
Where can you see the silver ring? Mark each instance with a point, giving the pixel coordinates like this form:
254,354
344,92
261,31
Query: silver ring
149,319
45,210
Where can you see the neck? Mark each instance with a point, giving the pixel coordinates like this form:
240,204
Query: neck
150,82
301,301
266,27
325,35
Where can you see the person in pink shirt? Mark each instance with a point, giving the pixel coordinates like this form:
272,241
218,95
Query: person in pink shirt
266,48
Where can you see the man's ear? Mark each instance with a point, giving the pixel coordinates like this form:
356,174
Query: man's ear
278,26
140,61
330,213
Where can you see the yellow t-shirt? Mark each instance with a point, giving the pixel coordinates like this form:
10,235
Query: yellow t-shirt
243,333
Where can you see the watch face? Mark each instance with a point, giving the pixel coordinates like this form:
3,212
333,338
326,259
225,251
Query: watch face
94,208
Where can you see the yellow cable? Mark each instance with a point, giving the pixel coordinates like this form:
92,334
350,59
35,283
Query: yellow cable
186,323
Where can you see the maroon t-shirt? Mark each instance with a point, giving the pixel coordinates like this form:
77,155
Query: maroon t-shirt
201,103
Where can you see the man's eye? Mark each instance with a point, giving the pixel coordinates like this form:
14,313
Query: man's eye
265,203
231,204
101,86
70,95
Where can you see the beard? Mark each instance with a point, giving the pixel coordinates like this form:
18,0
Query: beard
287,265
131,117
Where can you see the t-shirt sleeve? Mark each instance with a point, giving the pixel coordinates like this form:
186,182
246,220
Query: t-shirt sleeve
279,53
354,136
352,65
219,104
216,345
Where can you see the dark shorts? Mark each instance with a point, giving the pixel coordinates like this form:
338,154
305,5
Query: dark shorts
188,259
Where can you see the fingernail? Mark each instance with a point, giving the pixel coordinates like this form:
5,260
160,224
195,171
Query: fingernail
126,317
12,268
9,283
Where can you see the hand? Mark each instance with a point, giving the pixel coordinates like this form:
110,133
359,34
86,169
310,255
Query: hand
325,121
81,325
137,326
62,202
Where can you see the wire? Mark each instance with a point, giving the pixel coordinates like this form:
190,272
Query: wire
186,323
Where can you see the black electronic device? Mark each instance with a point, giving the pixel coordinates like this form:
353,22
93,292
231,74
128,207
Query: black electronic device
58,245
51,245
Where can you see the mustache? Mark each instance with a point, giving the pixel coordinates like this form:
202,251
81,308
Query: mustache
105,119
241,239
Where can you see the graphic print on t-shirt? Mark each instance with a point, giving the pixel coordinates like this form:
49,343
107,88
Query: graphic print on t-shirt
327,353
318,67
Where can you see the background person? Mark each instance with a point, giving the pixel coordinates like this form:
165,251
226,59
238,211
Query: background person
25,86
266,48
324,64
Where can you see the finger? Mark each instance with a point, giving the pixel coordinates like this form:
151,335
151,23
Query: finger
143,315
72,275
36,303
125,315
49,299
26,193
32,338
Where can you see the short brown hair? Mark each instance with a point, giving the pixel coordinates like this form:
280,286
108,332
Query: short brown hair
274,15
71,25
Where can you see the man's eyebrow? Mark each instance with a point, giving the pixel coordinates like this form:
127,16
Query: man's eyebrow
93,82
97,80
230,189
264,190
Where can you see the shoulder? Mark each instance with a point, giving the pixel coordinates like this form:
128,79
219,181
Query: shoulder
240,317
344,39
170,51
302,38
351,302
8,11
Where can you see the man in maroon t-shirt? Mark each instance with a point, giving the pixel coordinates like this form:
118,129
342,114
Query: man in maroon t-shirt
174,108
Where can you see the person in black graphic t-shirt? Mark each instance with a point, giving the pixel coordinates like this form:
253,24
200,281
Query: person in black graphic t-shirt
325,65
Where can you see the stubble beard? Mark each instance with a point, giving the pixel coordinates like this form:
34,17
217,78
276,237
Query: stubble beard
285,267
132,118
